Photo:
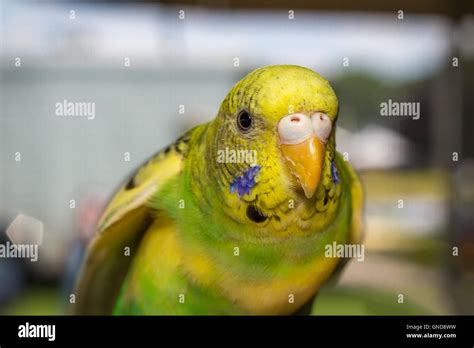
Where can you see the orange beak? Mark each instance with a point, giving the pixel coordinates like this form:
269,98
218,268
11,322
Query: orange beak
305,161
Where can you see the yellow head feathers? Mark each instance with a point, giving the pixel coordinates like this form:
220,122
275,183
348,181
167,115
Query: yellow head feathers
278,90
272,141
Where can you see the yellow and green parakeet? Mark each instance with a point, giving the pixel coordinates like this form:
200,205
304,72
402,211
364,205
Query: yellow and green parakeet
234,217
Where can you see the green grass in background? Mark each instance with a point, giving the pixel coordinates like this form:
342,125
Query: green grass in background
362,301
36,301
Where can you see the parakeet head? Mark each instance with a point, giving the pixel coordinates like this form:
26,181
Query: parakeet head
273,140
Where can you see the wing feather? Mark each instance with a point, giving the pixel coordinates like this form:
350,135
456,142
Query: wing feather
122,225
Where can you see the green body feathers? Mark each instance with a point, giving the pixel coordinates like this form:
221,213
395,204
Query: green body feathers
197,247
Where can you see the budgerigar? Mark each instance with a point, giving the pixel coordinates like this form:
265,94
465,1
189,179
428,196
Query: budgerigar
234,217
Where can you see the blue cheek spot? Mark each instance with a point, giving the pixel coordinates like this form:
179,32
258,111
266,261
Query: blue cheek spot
335,176
243,184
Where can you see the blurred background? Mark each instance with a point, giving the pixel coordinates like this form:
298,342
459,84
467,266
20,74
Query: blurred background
153,69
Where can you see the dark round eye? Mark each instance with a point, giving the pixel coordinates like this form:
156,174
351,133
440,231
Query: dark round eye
244,121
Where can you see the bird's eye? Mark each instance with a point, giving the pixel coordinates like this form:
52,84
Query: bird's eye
244,121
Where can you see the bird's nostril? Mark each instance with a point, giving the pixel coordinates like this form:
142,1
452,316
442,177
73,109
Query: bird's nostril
295,128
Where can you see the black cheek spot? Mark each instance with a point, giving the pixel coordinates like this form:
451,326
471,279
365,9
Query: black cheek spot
277,218
326,198
255,215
